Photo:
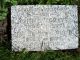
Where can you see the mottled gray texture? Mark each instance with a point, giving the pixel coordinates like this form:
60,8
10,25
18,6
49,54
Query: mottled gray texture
44,27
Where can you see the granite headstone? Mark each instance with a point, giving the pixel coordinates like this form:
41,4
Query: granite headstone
44,27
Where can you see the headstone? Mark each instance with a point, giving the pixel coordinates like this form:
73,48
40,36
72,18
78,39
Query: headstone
44,27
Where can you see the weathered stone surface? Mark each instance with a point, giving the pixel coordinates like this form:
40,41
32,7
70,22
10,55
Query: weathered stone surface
44,27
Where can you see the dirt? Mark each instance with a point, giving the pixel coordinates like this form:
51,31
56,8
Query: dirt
3,30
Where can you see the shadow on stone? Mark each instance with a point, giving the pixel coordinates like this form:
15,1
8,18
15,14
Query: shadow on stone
9,28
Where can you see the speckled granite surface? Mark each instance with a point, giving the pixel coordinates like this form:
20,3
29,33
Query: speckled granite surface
44,27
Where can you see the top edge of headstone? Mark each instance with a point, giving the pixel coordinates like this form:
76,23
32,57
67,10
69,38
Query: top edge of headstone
46,5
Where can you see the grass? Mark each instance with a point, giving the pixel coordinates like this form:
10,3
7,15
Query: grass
7,54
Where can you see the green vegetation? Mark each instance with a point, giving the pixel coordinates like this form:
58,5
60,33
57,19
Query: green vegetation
7,54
